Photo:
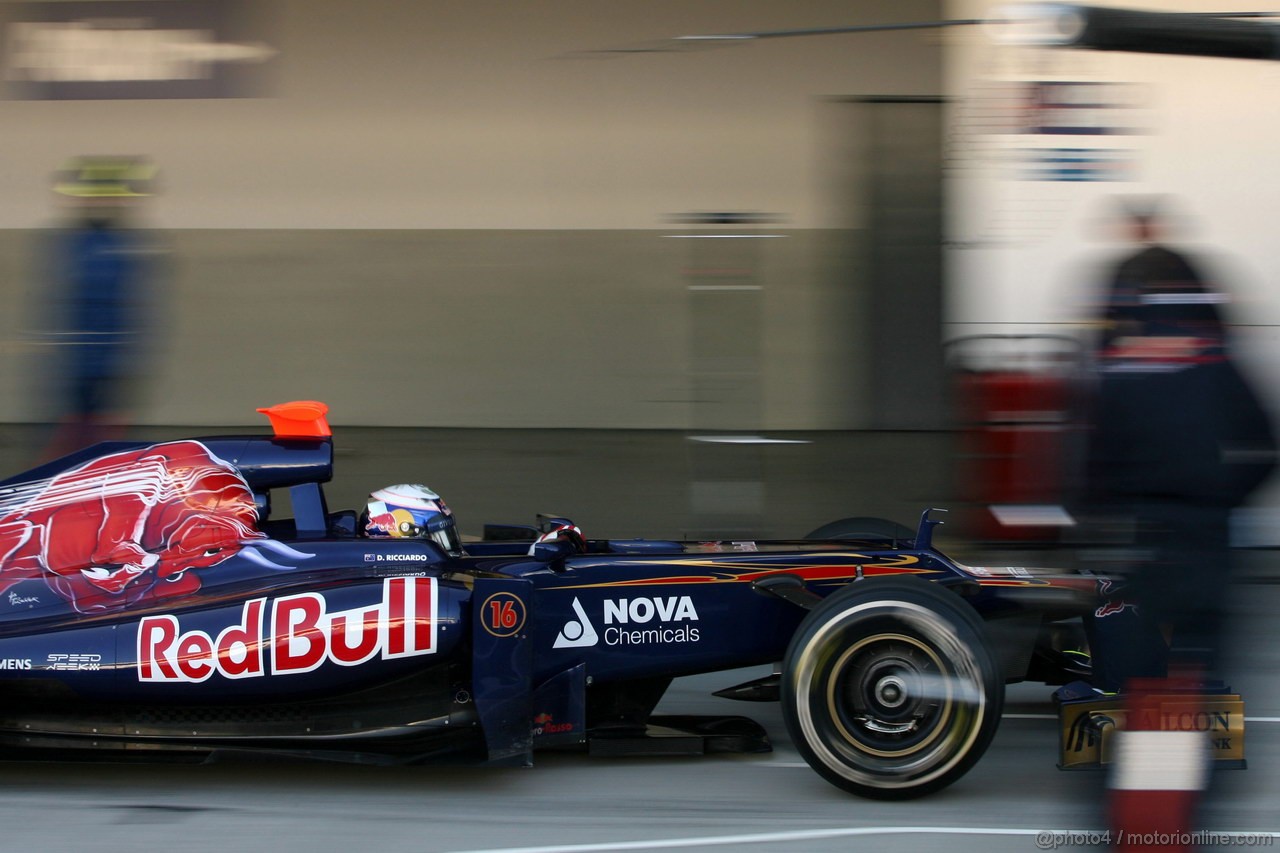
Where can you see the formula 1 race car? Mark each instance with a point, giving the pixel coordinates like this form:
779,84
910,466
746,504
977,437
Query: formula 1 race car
151,602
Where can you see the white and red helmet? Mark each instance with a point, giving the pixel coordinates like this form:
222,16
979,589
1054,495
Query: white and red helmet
411,511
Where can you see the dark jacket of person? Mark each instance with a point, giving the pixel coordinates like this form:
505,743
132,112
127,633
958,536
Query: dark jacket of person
1185,429
1162,291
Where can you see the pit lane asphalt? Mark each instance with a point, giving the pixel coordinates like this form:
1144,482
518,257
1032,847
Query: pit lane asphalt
577,803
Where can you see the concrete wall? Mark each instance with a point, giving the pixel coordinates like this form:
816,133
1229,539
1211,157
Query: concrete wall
454,213
460,328
489,114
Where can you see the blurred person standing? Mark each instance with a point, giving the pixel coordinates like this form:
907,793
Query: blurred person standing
99,274
1178,440
1156,281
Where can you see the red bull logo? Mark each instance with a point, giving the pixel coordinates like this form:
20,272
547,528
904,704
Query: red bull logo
130,527
1111,608
384,522
300,632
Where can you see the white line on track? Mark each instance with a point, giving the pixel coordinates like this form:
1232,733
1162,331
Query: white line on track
802,835
1055,716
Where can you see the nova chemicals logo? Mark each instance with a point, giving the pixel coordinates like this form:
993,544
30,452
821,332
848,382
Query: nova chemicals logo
664,620
634,622
577,633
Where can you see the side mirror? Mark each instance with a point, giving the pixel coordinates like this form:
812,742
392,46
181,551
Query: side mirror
551,552
924,534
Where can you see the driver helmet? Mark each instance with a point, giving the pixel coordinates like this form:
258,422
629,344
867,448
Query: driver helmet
411,511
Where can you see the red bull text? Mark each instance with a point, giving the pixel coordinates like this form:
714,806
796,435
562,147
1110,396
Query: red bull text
303,636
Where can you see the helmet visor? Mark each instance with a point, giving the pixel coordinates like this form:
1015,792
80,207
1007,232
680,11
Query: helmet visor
448,539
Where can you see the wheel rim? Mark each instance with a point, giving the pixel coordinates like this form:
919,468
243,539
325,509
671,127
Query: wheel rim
921,674
878,695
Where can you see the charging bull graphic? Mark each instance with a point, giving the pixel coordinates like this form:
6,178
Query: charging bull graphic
131,527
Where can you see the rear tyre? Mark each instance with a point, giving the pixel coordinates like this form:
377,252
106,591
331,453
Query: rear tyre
862,527
889,689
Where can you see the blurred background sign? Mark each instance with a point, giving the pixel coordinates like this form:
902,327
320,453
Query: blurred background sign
125,49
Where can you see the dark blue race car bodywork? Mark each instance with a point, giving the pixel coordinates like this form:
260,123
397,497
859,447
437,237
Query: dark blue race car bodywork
302,637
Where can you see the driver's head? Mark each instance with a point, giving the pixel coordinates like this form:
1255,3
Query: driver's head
410,511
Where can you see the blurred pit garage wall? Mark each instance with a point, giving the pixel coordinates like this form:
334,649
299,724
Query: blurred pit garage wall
882,314
726,330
